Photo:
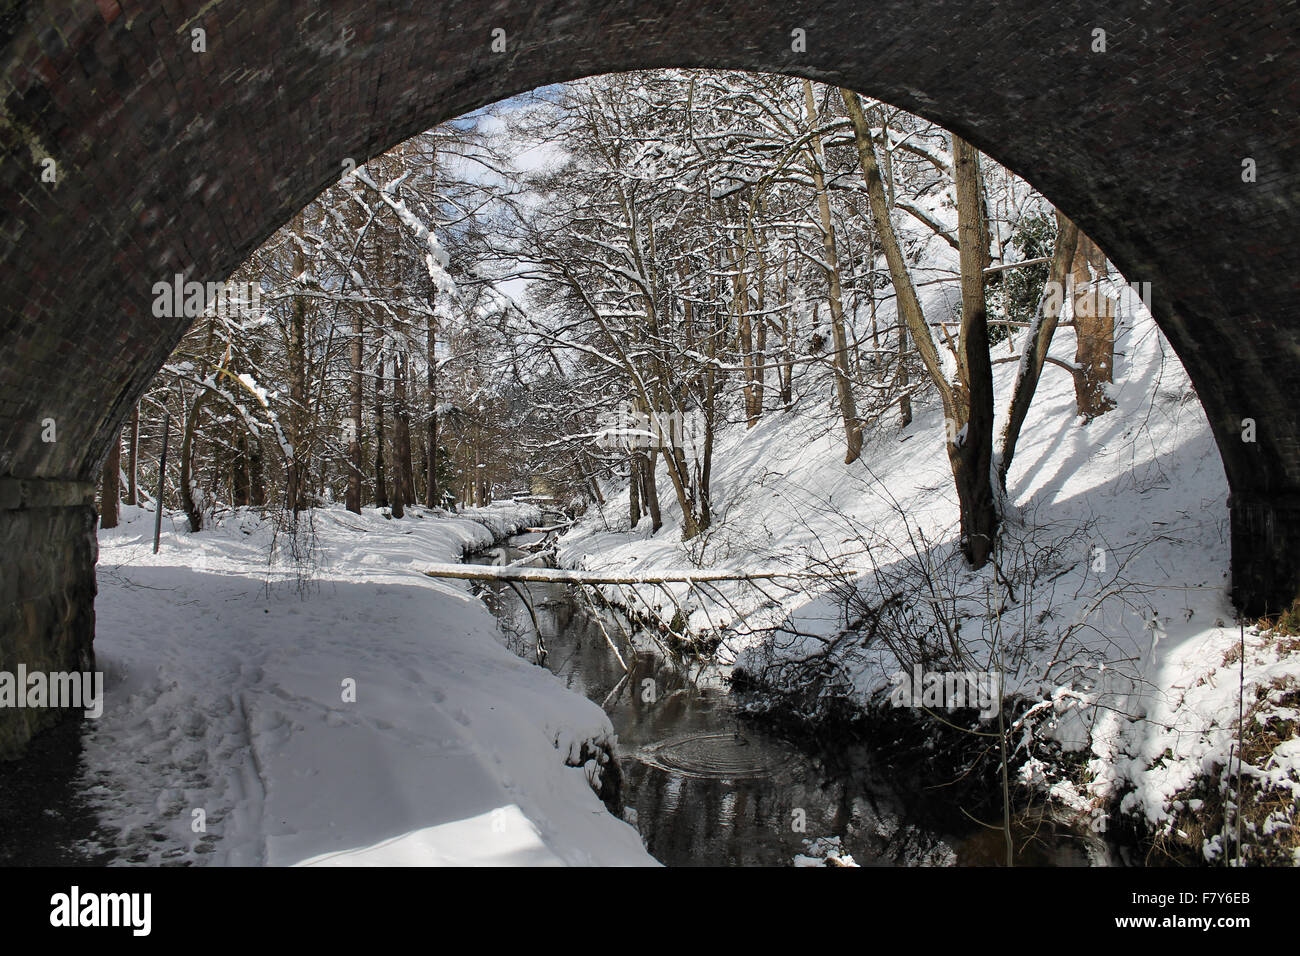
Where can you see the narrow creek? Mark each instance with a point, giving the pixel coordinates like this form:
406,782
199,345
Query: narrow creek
705,786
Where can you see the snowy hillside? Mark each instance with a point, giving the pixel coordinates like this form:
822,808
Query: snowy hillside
1115,547
379,721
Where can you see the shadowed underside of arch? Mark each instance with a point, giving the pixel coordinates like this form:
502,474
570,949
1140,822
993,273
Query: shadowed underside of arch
174,161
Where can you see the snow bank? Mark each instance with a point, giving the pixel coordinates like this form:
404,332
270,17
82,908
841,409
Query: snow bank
1126,517
504,518
372,719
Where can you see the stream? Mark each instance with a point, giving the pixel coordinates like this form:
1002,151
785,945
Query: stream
706,786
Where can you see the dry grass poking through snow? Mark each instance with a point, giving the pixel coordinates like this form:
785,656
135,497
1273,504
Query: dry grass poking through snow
1205,825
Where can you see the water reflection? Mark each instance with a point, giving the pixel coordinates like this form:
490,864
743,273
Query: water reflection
705,787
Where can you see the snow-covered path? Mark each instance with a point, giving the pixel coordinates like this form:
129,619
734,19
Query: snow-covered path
225,706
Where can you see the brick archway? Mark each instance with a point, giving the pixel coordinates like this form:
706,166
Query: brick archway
170,160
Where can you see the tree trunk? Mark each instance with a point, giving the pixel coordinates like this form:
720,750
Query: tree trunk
256,474
709,414
843,386
909,304
381,478
432,493
355,463
1037,343
111,485
650,492
239,479
1094,327
760,333
744,329
972,456
403,431
297,392
584,466
785,372
133,460
189,502
904,379
633,489
403,472
967,405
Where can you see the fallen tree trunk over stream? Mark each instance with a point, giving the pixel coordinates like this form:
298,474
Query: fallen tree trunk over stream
535,575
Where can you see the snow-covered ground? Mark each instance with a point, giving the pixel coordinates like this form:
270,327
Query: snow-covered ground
373,719
226,686
1119,529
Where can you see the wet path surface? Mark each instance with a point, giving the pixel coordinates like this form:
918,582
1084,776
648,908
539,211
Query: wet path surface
45,818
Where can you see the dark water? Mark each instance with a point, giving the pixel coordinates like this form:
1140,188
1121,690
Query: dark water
708,788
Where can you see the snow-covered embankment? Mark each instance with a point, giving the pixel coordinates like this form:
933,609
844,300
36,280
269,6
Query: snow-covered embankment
1116,538
373,719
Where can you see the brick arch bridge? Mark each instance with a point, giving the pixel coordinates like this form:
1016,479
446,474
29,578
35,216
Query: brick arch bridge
170,160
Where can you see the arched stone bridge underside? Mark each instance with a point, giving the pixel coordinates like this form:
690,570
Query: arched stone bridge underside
174,161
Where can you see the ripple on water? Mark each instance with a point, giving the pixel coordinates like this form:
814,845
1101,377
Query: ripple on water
721,756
